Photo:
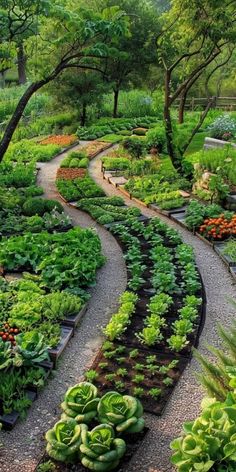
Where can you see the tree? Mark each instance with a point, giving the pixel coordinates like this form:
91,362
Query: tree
136,50
79,89
67,39
193,35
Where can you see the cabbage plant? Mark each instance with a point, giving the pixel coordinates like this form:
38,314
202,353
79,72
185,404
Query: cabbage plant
63,441
81,402
209,442
30,348
100,450
122,411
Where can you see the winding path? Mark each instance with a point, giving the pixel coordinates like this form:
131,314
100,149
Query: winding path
24,444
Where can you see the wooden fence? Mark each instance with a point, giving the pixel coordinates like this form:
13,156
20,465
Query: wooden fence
223,103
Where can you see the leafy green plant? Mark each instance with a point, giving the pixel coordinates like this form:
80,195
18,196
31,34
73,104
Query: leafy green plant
31,349
91,375
64,440
80,402
100,450
123,412
208,443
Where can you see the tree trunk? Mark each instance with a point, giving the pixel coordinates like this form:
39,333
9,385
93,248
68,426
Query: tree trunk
21,64
182,106
17,116
168,125
115,108
201,119
2,79
83,115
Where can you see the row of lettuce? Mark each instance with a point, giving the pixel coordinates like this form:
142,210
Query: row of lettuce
47,267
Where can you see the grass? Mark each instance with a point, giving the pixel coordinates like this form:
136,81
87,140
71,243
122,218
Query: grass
112,138
197,143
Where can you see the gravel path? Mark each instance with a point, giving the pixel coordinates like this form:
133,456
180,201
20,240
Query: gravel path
25,444
184,404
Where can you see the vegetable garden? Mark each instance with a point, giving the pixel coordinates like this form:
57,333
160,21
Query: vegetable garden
117,236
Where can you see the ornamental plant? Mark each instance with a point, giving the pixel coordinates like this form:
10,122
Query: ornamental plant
100,450
81,402
209,442
121,411
64,440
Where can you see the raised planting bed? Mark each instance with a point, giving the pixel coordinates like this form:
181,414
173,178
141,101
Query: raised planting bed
128,362
56,352
133,443
73,320
96,147
9,420
219,248
126,369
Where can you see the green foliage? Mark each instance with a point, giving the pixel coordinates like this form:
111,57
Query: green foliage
39,206
80,402
100,450
119,321
31,348
64,440
156,138
136,147
29,151
209,442
66,260
122,412
79,188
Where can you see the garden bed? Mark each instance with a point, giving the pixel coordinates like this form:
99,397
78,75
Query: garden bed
133,443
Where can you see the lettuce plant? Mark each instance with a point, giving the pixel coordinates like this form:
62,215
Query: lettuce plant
209,442
122,411
81,402
63,441
100,450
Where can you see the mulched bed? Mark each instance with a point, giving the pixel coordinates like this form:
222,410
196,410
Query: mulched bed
67,173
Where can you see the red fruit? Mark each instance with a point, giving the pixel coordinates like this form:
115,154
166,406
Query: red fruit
11,338
4,337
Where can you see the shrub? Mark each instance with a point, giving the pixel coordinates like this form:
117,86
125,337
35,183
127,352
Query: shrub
224,127
135,147
140,131
156,138
39,206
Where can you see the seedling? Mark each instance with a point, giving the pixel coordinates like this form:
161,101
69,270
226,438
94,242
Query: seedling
103,365
138,392
120,360
122,372
168,381
151,359
155,393
120,386
107,346
91,375
138,378
110,377
139,367
134,353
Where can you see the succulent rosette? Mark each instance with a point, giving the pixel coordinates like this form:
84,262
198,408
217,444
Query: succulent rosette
100,450
121,411
81,402
64,440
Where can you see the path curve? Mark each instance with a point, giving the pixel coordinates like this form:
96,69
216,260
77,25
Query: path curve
24,446
184,404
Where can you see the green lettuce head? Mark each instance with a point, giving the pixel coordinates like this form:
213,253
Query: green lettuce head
63,441
100,450
81,402
122,411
